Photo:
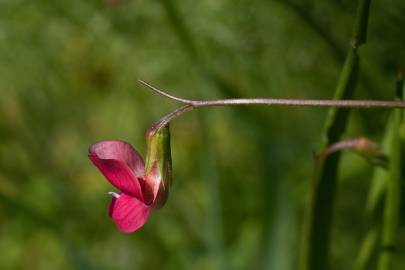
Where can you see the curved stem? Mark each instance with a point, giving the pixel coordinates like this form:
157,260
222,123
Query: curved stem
164,93
165,120
360,144
192,104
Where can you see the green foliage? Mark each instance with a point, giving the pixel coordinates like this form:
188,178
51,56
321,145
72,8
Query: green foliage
68,78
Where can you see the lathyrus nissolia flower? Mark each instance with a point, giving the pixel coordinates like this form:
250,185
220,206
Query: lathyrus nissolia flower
142,186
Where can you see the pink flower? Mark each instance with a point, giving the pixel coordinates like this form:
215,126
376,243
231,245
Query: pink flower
141,190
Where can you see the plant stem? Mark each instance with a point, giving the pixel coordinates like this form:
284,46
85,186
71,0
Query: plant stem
317,229
374,207
192,104
393,193
367,249
302,102
362,145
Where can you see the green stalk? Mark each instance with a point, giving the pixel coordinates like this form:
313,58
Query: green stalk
367,249
393,193
317,229
374,207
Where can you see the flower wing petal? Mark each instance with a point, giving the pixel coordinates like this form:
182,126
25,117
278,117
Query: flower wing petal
121,151
128,213
119,175
116,160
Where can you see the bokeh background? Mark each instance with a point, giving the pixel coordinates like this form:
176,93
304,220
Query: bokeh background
68,78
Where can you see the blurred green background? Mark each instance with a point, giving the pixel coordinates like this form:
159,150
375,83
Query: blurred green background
68,78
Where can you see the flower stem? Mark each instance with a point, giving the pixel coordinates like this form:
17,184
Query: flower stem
191,104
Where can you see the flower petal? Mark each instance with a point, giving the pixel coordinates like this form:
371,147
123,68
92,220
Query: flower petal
121,151
119,175
128,213
120,164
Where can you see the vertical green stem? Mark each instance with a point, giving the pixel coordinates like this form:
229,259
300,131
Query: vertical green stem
393,194
374,207
317,230
367,249
381,206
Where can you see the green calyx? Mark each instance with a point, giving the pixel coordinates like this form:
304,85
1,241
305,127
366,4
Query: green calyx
158,166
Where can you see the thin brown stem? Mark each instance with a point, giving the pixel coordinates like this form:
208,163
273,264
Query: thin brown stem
164,93
301,102
165,120
362,145
347,144
191,104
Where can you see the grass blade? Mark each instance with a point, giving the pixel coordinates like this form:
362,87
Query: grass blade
317,229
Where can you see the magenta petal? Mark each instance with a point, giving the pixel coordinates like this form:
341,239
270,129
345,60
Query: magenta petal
119,175
128,213
121,151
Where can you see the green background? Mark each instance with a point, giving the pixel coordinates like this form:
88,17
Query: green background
68,78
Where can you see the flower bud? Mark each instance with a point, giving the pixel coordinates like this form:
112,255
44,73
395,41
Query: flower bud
158,166
371,151
361,145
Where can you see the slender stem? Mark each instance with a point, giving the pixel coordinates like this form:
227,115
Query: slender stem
391,216
302,102
367,249
316,245
361,144
165,120
164,93
392,207
192,104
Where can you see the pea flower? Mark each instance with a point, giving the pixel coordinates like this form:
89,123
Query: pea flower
142,186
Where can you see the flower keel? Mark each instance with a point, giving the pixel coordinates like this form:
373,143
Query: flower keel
128,213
